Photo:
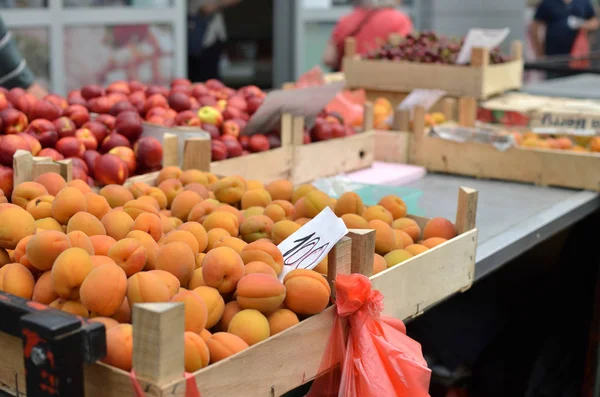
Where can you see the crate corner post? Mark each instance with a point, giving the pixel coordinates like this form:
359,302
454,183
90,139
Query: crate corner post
339,261
362,251
466,212
196,154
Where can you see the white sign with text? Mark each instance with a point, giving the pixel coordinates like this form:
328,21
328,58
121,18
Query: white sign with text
481,38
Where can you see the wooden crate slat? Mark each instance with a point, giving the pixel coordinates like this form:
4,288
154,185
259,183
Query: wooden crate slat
264,166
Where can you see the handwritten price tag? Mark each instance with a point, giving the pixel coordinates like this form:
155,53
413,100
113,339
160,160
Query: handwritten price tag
308,245
481,38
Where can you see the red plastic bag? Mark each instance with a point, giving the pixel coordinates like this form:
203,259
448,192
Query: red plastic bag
378,358
581,48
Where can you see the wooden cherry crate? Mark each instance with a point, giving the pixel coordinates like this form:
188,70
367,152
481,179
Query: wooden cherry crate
290,358
546,167
395,79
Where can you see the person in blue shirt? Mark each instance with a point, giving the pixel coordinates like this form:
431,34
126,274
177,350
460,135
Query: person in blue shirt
562,20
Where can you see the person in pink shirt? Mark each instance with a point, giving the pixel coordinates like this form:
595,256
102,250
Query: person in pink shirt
369,22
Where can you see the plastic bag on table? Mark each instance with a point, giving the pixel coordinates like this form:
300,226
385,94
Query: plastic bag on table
378,359
581,48
313,78
349,105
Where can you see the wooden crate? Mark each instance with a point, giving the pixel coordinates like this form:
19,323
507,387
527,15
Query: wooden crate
290,358
395,79
546,167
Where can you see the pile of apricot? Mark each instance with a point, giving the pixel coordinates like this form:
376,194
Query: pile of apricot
209,243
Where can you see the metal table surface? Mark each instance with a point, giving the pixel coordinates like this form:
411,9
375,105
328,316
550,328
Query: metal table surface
584,85
511,217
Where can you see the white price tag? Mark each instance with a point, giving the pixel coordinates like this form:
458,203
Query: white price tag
481,38
306,247
423,97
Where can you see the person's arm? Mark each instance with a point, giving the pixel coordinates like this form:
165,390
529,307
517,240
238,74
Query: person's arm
14,71
330,55
535,29
591,20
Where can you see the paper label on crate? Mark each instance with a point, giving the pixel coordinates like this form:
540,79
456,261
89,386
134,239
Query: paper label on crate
306,247
481,38
420,96
306,102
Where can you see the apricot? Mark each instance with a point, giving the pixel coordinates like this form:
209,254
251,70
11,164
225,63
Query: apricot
101,260
215,235
16,279
116,195
103,290
43,248
282,230
4,257
136,207
129,254
349,203
202,209
102,244
385,238
106,321
255,228
119,347
396,257
19,251
150,224
229,189
138,189
379,264
16,224
280,190
301,191
261,292
170,172
402,239
159,196
263,251
149,200
40,207
322,267
205,334
167,225
24,192
147,287
70,268
254,184
117,224
178,259
202,190
183,203
255,198
67,203
170,280
259,267
52,181
69,306
409,226
86,223
97,205
231,309
196,352
171,188
307,292
416,249
196,313
232,210
184,237
289,208
79,239
250,325
439,227
197,280
231,242
395,205
48,224
275,212
353,221
302,221
378,212
200,257
198,231
312,204
222,268
281,319
223,220
123,315
223,344
433,242
80,185
149,244
214,304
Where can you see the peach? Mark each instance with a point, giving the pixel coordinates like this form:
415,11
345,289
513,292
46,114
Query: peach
385,238
301,191
222,268
214,304
119,347
231,242
202,209
198,232
103,290
282,230
275,212
215,235
70,268
24,192
353,221
52,181
263,251
170,172
43,248
129,254
67,203
349,203
87,223
223,220
402,239
178,259
312,204
229,189
395,205
159,196
16,279
196,352
48,224
409,226
136,207
307,292
149,223
280,190
197,280
379,264
69,306
196,313
439,227
147,287
170,280
79,239
416,249
281,319
259,267
106,321
378,212
101,260
223,344
116,195
255,198
433,242
117,224
183,203
40,207
261,292
193,176
97,205
171,188
396,256
250,325
80,185
255,228
149,244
